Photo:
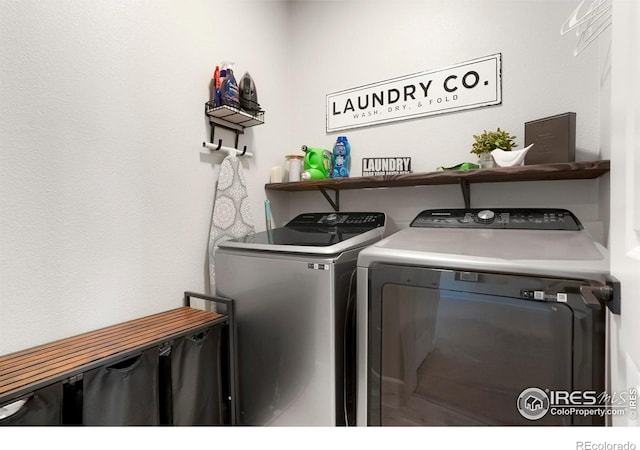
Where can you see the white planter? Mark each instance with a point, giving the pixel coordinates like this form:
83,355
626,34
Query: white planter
510,158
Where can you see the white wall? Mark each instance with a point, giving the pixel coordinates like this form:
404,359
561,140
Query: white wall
339,45
105,190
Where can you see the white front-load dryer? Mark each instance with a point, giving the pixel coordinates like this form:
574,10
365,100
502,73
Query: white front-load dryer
479,317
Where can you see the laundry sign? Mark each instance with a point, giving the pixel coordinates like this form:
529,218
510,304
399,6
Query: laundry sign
472,84
386,166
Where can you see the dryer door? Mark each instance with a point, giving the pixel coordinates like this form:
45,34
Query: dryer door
459,348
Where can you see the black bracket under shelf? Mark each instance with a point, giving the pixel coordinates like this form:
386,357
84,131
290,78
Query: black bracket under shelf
335,204
466,192
237,131
465,186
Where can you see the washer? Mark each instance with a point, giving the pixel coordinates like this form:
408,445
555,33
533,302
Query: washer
294,290
481,317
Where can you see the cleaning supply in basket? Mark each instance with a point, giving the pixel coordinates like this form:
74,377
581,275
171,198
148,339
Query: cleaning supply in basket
214,88
223,76
341,152
229,91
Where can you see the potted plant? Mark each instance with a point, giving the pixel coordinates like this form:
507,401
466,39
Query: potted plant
488,141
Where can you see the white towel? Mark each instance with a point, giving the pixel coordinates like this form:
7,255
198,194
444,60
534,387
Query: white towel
232,216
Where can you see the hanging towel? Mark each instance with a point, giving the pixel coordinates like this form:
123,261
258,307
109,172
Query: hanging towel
232,216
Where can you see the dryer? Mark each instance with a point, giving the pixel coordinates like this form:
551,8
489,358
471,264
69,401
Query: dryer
476,317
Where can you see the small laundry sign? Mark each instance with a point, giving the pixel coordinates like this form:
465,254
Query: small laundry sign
386,166
471,84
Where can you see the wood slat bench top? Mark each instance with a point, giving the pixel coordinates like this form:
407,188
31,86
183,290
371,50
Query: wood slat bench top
60,359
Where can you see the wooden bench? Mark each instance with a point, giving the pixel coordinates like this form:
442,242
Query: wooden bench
25,371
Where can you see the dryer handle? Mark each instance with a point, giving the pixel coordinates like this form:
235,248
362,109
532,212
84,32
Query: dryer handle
593,294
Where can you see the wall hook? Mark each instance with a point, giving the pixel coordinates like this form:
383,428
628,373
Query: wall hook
228,150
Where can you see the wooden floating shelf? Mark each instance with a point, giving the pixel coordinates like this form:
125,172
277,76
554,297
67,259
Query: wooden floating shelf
540,172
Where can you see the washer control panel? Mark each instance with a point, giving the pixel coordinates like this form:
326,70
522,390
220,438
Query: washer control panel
499,218
353,219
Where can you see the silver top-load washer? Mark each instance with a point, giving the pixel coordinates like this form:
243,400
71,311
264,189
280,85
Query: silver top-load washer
466,309
294,292
316,233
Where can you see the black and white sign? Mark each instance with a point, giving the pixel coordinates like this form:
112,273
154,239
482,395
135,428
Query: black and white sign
472,84
386,166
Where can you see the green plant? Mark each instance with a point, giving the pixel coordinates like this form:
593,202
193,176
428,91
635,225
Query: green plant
490,140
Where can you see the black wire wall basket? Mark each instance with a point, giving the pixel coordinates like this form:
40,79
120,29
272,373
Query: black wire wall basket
250,116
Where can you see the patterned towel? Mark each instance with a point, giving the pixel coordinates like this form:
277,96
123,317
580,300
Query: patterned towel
231,210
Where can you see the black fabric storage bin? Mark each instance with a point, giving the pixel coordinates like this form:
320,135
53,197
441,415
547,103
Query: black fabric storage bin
196,385
124,393
42,407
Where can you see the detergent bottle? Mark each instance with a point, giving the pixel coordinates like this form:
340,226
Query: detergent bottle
317,163
341,152
229,91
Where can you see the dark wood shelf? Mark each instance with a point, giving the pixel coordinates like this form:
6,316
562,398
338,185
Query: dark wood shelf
539,172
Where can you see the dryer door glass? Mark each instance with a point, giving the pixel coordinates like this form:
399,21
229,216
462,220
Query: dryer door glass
450,351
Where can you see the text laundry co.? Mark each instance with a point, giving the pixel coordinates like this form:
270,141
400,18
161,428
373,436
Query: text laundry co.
467,85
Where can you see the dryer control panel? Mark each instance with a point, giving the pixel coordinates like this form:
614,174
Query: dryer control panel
499,218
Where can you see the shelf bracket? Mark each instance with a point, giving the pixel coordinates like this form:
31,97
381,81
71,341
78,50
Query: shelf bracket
466,192
236,131
334,204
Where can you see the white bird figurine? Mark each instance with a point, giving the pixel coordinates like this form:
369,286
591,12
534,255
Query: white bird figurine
510,158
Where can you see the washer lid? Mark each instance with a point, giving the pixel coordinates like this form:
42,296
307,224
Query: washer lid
316,233
542,252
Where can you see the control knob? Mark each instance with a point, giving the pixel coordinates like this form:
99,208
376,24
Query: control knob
332,219
485,216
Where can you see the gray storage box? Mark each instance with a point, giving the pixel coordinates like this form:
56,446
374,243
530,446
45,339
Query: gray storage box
554,139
